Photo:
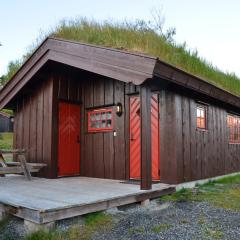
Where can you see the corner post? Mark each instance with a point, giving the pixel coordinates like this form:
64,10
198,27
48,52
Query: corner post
146,145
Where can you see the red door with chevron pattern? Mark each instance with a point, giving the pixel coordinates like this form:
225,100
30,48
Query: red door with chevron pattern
135,137
69,140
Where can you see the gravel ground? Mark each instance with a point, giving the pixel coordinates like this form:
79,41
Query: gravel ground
184,220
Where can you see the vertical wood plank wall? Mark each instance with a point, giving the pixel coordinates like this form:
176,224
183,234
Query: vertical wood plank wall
185,153
102,154
33,124
188,153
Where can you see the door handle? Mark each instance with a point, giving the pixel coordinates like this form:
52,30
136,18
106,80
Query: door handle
132,137
78,139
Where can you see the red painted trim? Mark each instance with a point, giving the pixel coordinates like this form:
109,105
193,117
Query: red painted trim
100,120
201,117
233,123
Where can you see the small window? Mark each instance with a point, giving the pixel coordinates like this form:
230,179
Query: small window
201,117
233,123
100,120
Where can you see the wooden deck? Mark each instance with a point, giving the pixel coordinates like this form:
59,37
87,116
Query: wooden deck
47,200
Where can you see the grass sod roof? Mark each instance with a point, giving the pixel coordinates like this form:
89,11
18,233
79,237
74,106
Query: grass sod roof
139,36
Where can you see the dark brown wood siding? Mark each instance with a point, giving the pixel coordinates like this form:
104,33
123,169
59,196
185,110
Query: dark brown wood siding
188,153
103,155
33,125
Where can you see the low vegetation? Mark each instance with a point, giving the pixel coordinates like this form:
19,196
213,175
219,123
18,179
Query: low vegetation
141,36
6,140
94,222
223,193
4,222
162,227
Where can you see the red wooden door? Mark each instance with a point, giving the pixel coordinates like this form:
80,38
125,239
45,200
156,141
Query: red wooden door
155,137
135,137
69,139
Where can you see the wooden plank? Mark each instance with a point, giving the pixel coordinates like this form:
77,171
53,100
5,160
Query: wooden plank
127,131
2,161
47,126
108,155
108,91
108,141
33,130
54,127
186,138
146,147
74,211
39,143
16,170
193,124
179,138
25,167
119,139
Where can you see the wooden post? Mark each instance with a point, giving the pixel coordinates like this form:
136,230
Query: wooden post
146,151
24,166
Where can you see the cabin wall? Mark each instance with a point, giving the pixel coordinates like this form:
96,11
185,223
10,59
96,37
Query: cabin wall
188,153
33,124
103,155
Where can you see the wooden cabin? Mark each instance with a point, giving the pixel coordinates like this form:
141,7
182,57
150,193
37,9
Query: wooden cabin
104,113
6,124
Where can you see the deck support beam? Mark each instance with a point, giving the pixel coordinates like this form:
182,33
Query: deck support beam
146,149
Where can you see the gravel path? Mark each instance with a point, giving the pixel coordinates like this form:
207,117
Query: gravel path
185,220
178,221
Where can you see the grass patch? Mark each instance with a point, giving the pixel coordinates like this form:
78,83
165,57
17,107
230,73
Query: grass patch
3,222
222,193
139,36
161,228
94,222
6,140
214,234
44,235
136,230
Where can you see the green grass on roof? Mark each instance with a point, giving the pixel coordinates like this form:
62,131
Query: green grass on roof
144,37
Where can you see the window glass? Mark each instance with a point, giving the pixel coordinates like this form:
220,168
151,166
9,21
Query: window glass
100,120
233,123
201,117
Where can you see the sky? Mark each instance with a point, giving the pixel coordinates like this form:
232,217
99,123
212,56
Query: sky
211,27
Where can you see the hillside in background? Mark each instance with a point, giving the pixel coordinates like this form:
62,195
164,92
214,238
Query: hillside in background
139,36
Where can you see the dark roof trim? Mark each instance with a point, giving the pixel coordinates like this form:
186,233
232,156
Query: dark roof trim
121,65
170,73
113,63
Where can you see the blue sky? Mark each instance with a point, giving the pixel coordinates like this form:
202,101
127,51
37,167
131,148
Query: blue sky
212,27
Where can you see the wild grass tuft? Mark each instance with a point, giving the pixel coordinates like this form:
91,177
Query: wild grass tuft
140,36
161,228
94,222
6,140
3,222
222,193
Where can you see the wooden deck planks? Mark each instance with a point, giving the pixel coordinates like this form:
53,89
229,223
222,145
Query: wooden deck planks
57,199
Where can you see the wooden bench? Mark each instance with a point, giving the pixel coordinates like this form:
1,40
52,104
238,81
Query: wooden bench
20,167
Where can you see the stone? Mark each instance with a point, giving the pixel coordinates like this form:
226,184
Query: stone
145,203
3,215
32,227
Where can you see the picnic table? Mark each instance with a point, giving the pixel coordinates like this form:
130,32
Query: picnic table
19,167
